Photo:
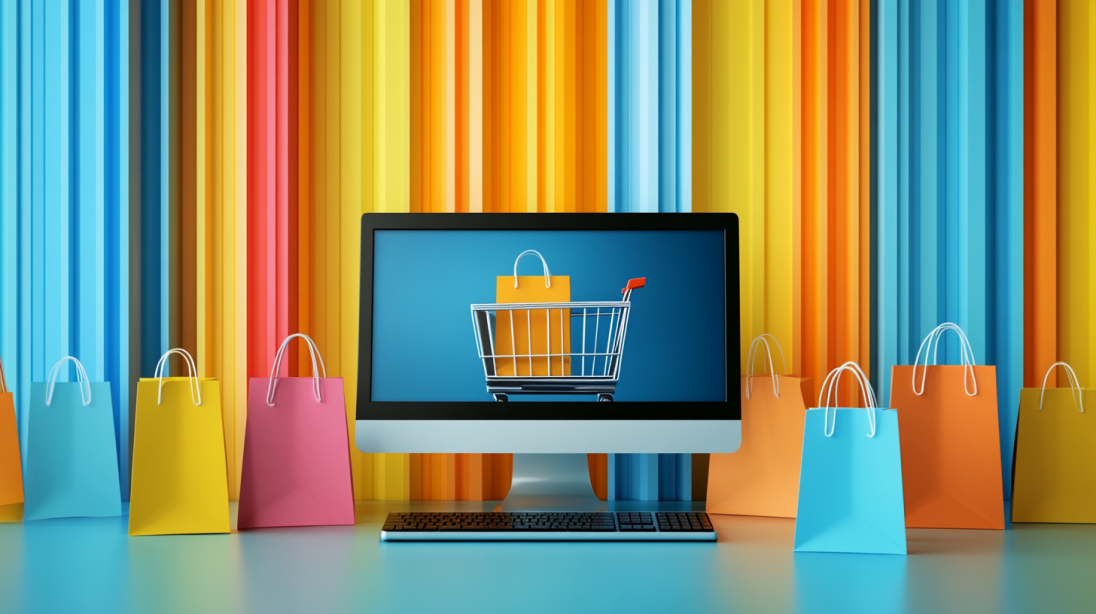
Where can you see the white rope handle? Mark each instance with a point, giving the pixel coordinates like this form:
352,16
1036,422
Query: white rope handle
192,378
3,379
547,274
272,383
966,358
81,378
1074,386
830,390
751,362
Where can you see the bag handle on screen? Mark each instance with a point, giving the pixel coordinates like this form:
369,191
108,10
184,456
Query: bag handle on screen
752,359
272,384
830,391
547,274
966,358
81,379
1074,386
192,377
3,379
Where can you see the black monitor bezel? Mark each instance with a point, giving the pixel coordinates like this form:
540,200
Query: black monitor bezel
731,409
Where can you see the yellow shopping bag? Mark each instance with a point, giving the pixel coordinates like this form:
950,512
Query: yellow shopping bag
1054,476
180,484
521,335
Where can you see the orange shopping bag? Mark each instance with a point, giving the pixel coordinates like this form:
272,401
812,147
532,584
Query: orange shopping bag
523,334
951,451
11,471
762,477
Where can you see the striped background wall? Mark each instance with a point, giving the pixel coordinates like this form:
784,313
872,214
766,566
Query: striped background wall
192,173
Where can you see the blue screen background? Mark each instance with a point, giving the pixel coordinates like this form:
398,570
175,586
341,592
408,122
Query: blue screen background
424,346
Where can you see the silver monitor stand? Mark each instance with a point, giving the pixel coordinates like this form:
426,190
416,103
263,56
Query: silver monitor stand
551,483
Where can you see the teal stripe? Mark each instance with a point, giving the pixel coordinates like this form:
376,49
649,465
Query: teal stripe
1005,202
637,100
10,296
64,273
885,192
650,169
948,187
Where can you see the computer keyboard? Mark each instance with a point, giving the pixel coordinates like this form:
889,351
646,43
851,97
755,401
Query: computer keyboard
548,526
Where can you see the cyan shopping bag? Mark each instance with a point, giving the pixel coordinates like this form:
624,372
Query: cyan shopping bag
850,483
71,456
296,469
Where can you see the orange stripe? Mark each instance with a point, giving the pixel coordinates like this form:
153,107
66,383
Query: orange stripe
417,93
865,185
1040,190
461,104
187,205
306,287
811,363
436,140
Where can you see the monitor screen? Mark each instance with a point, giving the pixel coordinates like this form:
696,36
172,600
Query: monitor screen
562,317
670,344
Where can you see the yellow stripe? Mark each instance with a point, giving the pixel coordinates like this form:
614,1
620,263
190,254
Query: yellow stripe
782,222
221,218
1077,194
531,108
475,106
235,29
728,83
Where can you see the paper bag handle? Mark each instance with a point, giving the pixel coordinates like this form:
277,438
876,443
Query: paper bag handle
830,390
3,379
192,377
752,360
547,274
81,379
966,358
1074,386
272,384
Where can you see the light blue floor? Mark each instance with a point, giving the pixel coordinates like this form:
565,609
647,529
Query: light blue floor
90,565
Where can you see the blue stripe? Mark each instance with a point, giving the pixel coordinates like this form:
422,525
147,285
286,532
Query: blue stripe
64,276
948,187
637,99
684,153
612,134
1006,201
9,191
650,168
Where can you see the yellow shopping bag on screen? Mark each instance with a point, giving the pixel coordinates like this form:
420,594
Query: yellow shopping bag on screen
180,484
524,338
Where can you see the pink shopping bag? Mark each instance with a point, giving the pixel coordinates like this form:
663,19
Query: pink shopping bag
296,469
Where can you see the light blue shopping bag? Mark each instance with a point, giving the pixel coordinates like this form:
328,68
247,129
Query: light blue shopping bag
71,460
850,482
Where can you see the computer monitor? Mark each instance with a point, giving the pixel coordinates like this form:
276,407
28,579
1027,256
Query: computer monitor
549,334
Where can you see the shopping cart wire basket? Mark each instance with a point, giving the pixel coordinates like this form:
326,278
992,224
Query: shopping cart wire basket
601,349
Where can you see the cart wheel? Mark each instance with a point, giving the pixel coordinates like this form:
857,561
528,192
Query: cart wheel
501,398
605,398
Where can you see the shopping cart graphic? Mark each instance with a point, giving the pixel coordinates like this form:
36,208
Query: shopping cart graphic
555,368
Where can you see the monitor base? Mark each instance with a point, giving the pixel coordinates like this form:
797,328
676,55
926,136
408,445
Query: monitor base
551,483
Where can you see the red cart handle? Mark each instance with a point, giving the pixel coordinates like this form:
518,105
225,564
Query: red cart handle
638,282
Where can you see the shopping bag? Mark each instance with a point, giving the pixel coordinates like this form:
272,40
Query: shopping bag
1054,470
850,483
72,459
11,468
523,334
180,483
762,477
296,468
951,447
